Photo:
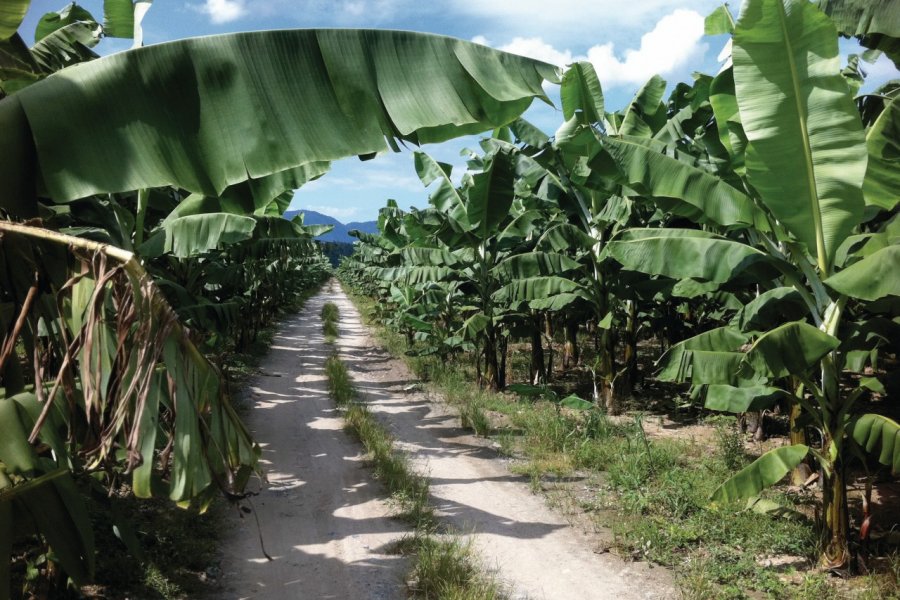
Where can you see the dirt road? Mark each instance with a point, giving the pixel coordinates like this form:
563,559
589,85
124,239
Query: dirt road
322,519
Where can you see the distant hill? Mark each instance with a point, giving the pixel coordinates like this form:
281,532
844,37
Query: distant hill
340,233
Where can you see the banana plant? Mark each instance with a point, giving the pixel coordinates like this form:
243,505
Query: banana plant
791,117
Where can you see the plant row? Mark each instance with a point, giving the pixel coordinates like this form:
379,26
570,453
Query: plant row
746,225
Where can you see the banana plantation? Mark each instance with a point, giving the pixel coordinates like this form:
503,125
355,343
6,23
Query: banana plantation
736,240
741,233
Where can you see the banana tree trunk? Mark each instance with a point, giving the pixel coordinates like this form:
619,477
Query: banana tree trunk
628,377
606,372
836,520
538,372
571,355
798,435
491,378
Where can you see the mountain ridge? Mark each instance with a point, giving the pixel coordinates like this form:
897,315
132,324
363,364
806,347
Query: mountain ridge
341,232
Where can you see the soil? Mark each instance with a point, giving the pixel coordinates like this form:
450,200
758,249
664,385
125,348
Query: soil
324,520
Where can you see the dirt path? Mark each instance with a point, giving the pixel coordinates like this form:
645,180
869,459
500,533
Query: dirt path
321,517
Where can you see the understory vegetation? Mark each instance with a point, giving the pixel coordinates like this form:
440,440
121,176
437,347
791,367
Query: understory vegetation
728,249
643,481
445,566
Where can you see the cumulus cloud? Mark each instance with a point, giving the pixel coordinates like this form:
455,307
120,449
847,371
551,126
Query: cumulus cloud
537,48
674,42
576,21
223,11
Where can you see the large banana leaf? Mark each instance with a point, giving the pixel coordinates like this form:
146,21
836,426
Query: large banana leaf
728,118
877,433
807,155
875,22
770,309
490,197
196,234
678,363
648,170
765,471
683,253
790,349
882,184
581,92
742,399
445,197
11,14
536,288
215,111
646,113
55,20
534,264
872,278
435,257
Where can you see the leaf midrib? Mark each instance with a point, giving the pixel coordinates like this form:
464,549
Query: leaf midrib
807,150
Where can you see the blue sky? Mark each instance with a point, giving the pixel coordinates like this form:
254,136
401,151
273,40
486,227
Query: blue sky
627,40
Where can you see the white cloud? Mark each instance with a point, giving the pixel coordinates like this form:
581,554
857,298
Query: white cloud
223,11
674,42
537,48
573,22
321,13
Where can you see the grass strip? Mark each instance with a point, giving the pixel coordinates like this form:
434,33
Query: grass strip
445,567
330,316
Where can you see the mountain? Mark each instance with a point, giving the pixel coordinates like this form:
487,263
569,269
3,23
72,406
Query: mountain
340,233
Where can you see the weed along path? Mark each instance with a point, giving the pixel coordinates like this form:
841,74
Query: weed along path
535,551
322,517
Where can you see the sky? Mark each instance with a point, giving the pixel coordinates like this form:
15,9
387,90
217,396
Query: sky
628,41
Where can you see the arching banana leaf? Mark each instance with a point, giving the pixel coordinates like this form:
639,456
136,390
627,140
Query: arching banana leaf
769,309
581,92
882,184
875,22
682,253
765,471
649,171
790,349
872,278
196,234
677,363
206,113
742,399
646,114
11,14
880,436
536,288
435,257
534,264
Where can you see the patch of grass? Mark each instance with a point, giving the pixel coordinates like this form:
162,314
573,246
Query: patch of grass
330,312
444,567
330,329
330,316
447,568
340,386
